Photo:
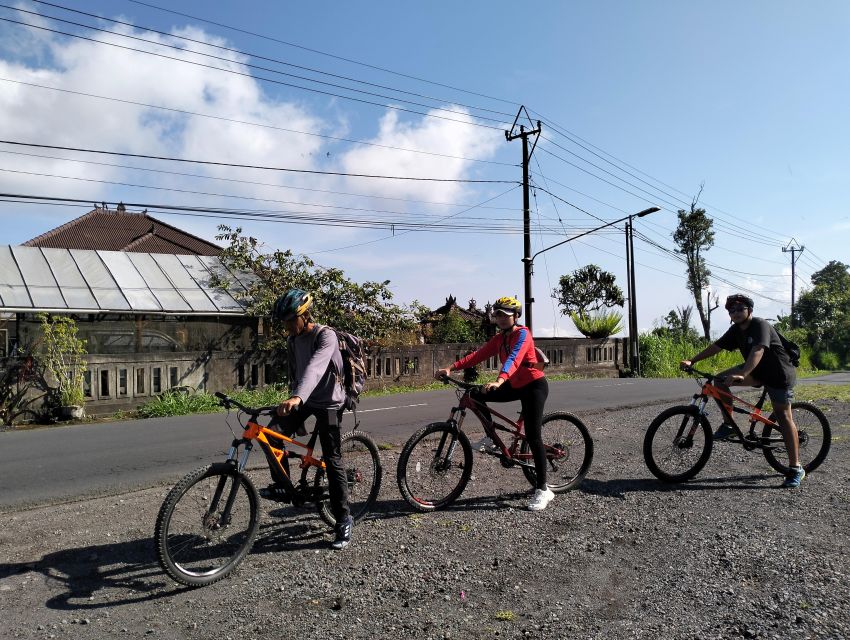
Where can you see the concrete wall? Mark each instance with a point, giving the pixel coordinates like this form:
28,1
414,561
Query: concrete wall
125,381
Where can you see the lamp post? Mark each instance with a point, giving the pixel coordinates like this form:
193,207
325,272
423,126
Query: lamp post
629,264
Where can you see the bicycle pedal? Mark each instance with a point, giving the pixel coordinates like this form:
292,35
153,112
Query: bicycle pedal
275,495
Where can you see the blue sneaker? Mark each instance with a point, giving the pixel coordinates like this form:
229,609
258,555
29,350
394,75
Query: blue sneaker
724,431
794,478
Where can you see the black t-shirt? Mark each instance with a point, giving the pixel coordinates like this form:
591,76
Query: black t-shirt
774,369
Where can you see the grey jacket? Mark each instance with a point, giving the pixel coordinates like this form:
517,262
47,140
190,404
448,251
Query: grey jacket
316,359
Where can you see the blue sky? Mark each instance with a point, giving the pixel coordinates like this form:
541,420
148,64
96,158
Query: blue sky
652,99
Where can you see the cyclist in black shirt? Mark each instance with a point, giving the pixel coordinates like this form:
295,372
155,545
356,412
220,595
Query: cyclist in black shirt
766,363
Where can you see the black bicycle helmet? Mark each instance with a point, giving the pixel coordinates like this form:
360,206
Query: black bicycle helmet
739,298
292,304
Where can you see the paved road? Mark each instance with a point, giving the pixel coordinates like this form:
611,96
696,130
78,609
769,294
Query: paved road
63,463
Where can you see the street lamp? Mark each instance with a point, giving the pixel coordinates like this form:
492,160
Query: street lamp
629,266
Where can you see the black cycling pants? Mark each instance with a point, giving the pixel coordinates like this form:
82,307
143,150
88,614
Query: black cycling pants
532,398
328,422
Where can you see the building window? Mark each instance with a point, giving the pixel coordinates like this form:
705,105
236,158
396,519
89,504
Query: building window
156,380
104,383
122,382
388,371
268,374
368,367
241,375
140,381
407,367
398,370
378,367
87,383
415,365
172,377
255,375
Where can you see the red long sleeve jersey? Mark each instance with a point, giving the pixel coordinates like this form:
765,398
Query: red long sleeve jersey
516,353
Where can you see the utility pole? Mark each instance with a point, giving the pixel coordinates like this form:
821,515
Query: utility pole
526,206
792,250
630,335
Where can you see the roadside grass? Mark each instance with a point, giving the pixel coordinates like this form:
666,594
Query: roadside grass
814,392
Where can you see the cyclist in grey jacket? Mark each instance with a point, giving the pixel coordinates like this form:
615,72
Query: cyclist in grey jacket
316,387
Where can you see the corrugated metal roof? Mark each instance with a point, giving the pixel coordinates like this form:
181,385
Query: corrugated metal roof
84,281
122,230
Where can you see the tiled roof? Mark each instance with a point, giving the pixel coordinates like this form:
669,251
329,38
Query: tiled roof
120,230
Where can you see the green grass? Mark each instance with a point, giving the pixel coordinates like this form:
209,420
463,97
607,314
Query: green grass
815,392
180,404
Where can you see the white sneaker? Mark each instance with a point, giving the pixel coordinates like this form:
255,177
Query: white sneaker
483,445
540,499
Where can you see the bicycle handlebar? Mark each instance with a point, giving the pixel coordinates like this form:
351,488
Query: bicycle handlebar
229,402
704,374
459,383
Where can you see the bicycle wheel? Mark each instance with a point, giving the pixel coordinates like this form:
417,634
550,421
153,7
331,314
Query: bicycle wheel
814,433
569,450
677,444
432,472
206,525
364,473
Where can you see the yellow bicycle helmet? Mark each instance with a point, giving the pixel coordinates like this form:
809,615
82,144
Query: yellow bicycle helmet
508,305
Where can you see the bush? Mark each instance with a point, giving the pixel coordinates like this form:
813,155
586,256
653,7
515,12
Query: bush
600,325
173,403
827,360
660,356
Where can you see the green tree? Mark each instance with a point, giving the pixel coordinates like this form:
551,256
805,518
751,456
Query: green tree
363,309
824,311
62,352
677,325
453,328
583,293
693,237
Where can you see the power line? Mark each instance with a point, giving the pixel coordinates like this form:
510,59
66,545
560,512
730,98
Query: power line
250,166
256,77
251,124
252,55
323,53
250,182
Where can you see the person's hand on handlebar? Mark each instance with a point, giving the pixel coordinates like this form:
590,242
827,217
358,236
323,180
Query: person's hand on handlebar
684,365
491,386
439,374
287,406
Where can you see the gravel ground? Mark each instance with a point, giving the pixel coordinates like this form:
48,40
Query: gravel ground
727,555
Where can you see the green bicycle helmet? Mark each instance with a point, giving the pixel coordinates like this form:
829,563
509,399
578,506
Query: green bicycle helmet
292,304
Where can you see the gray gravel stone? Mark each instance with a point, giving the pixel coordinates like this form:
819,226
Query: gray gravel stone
726,555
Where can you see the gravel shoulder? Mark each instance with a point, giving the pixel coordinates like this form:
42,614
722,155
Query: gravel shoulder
726,555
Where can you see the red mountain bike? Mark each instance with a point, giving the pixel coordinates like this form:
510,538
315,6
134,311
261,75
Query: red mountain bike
436,462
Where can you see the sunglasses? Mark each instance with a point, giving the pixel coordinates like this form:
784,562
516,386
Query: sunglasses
736,309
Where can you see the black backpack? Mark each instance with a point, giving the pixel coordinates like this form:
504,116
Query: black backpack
791,348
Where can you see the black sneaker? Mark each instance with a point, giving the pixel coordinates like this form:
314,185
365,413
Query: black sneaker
275,492
343,533
724,431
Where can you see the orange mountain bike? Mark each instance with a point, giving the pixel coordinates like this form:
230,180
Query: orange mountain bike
678,443
435,464
208,521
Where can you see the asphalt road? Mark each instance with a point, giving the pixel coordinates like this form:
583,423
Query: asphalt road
57,464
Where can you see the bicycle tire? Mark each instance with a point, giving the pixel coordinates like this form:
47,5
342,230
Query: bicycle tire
364,473
427,460
193,545
569,450
814,433
664,447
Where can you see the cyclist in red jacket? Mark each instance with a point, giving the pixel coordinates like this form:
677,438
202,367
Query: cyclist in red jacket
519,379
